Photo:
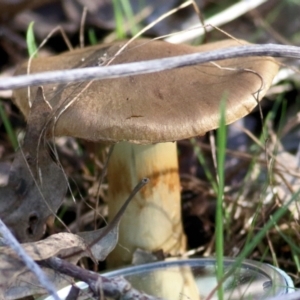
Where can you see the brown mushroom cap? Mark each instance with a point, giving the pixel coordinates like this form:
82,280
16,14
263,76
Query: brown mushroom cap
158,107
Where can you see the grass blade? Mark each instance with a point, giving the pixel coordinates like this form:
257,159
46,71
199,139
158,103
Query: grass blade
221,146
7,125
30,40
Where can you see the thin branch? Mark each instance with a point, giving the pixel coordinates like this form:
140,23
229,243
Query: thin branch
150,66
116,287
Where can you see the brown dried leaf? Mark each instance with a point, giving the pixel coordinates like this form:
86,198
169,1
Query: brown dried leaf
105,245
36,186
17,281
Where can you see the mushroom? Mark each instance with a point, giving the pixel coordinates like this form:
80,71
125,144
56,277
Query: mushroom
154,110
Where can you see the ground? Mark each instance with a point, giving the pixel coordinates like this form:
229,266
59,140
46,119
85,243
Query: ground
261,167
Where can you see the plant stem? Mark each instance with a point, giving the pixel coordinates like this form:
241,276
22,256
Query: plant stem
221,142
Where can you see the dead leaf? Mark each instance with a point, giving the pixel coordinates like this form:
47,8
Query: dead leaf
17,281
36,186
105,245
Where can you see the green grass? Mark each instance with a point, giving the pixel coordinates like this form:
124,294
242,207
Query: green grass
8,128
30,40
221,153
254,238
257,238
124,15
201,158
92,37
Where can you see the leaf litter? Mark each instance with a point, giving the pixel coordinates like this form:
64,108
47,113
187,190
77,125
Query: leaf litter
28,201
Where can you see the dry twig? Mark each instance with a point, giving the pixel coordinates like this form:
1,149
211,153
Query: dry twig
116,287
150,66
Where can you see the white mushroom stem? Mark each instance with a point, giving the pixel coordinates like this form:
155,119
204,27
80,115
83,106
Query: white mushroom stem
152,221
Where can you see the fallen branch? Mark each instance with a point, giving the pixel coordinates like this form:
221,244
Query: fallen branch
150,66
115,288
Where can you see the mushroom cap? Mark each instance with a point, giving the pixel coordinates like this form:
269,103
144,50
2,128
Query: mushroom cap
150,108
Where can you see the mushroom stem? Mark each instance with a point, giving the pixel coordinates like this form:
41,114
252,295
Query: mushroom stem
152,221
